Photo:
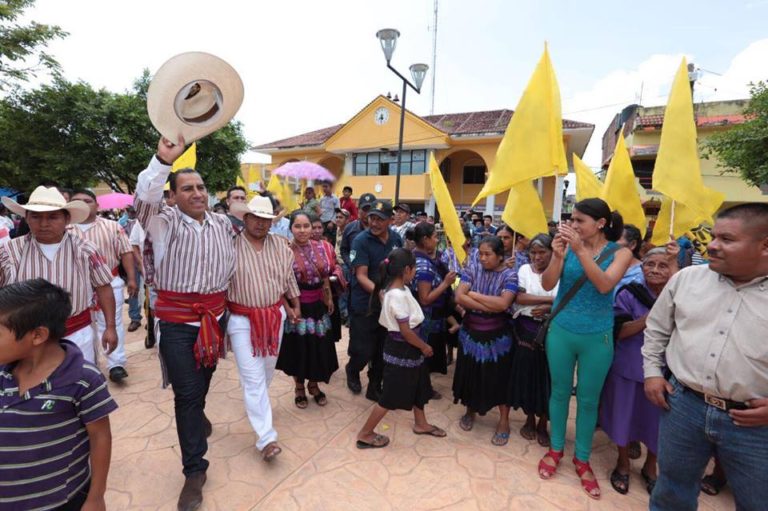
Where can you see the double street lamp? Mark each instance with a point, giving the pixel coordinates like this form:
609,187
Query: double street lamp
388,38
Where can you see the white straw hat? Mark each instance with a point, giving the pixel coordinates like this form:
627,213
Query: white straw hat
49,199
258,206
193,94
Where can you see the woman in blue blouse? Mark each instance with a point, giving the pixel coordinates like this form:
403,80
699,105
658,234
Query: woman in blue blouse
583,331
432,288
486,291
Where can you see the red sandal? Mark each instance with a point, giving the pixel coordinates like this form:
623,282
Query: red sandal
546,471
582,467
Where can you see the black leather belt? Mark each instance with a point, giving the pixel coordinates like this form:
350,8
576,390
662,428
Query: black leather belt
717,402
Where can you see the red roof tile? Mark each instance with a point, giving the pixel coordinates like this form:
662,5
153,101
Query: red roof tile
656,120
467,123
312,138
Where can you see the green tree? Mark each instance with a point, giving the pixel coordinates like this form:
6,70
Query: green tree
744,148
77,136
21,43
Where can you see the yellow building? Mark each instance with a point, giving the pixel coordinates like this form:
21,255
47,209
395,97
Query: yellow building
363,153
642,130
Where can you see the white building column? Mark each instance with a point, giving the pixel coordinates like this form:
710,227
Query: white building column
490,205
557,205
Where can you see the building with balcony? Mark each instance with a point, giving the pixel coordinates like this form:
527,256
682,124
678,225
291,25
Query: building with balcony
363,152
641,127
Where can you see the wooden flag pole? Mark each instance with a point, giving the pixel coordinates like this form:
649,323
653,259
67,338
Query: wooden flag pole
672,221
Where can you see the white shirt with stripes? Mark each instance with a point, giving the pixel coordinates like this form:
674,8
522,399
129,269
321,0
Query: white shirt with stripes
262,277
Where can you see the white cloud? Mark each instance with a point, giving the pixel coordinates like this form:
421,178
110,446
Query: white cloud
653,77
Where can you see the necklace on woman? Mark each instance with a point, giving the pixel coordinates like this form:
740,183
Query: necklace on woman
596,254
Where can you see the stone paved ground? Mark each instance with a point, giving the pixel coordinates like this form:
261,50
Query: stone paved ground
320,468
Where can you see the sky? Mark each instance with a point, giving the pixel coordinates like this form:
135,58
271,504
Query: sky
311,64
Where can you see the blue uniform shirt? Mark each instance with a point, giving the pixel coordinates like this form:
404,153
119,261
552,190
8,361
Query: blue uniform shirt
368,250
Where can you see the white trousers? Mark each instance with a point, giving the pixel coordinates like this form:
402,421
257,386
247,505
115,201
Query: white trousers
255,376
117,358
83,339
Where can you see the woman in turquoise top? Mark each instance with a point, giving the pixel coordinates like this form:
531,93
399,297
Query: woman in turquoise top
583,331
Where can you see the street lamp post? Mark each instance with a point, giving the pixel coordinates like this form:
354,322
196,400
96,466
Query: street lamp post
388,38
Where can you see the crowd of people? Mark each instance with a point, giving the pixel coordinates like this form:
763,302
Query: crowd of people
656,353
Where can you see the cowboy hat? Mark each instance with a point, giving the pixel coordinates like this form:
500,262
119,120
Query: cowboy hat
193,94
258,206
49,199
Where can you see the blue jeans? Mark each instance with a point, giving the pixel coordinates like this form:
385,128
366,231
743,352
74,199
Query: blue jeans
690,433
134,305
190,387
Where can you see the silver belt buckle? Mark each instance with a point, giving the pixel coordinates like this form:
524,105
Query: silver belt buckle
715,401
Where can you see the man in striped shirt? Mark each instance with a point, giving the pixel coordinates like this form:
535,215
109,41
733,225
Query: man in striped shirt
50,252
262,289
54,426
110,239
194,259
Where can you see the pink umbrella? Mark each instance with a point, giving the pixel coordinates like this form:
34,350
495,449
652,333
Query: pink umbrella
114,200
304,170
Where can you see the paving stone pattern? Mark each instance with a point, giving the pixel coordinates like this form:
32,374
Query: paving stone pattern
320,468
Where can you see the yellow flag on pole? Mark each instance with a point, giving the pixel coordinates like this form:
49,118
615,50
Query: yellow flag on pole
677,172
587,184
685,218
524,212
620,189
532,146
448,214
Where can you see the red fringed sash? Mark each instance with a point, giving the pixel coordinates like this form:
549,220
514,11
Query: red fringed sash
265,327
193,307
77,322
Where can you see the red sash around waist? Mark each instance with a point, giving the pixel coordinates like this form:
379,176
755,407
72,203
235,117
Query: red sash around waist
265,327
191,308
77,322
115,271
311,295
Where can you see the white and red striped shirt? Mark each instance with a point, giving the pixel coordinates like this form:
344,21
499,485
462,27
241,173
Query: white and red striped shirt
107,236
262,278
189,257
77,267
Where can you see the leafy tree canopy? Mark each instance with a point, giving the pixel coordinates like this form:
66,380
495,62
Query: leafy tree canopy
744,148
21,44
76,136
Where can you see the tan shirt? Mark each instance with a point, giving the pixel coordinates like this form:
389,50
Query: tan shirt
262,278
712,333
77,267
107,236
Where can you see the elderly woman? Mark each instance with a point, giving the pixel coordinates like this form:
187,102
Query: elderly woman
626,415
529,382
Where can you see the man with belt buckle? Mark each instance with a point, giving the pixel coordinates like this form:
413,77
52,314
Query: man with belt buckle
710,325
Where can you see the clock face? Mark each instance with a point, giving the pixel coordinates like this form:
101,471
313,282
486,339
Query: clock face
381,116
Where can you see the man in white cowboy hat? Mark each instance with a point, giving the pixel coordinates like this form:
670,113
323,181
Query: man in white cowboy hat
51,253
110,239
262,289
194,259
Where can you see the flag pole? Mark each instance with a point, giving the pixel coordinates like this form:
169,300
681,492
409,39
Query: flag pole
672,221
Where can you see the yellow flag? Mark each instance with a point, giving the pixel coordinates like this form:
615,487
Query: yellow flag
532,146
620,189
677,173
685,218
524,212
448,214
587,184
288,198
274,187
187,160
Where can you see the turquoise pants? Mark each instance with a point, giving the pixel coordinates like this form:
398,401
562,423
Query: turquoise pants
594,355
